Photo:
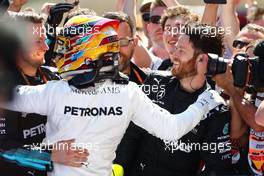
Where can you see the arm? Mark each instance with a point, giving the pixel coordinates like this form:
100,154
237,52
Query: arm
119,5
164,125
238,126
170,3
16,5
210,14
246,109
131,10
230,22
40,99
141,56
34,99
259,116
128,7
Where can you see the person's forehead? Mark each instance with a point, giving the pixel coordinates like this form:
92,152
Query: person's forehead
177,20
124,30
247,36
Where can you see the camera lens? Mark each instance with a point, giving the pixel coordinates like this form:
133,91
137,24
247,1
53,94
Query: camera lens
216,65
240,70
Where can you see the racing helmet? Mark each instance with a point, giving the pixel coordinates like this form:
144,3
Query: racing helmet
87,49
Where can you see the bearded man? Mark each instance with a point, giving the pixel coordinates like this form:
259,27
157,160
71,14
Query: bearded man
207,145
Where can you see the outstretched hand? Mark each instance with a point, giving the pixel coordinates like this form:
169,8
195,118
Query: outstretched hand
210,99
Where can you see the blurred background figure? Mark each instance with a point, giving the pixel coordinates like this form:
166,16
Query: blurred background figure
9,48
145,19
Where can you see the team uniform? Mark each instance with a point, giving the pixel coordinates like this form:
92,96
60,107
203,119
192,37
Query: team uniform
97,118
142,154
19,130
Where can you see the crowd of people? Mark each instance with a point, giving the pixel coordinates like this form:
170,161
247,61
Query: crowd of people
83,94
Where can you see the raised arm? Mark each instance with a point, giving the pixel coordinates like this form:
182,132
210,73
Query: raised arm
129,7
246,109
210,14
16,5
170,3
230,22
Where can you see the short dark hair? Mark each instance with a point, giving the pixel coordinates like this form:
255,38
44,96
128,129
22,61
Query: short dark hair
121,17
180,11
205,38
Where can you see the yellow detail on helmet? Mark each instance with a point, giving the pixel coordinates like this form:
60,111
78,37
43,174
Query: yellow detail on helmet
84,39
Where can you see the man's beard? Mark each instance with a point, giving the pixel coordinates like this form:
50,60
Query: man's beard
185,69
124,63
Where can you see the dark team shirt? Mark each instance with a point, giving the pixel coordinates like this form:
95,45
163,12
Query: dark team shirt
165,65
136,74
143,154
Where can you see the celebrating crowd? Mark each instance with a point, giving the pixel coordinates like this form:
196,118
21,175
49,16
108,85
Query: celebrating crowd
89,95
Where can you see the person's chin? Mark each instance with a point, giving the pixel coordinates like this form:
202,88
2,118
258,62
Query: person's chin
40,61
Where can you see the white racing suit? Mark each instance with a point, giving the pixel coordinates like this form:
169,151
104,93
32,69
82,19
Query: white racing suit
97,118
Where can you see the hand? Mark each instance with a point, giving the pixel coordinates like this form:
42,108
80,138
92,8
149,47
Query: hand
64,154
16,5
225,80
56,13
210,99
201,68
46,8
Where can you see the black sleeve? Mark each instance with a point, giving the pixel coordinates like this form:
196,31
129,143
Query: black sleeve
128,148
216,146
9,133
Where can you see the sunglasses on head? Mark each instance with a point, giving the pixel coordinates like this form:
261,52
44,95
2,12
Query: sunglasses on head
155,19
240,44
146,17
124,41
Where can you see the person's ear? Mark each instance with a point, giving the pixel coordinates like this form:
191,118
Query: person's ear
203,58
135,41
149,28
202,61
